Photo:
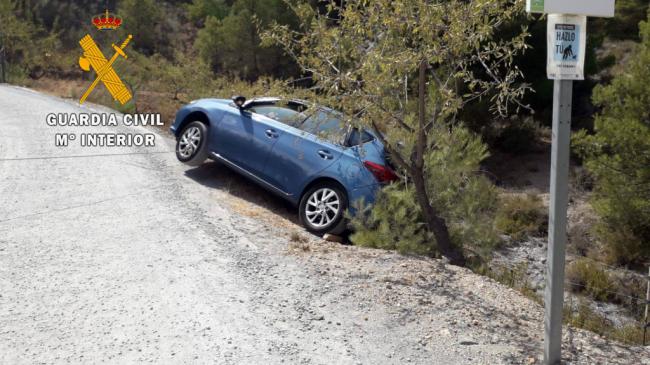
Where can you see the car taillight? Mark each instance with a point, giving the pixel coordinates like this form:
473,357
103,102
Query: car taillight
382,173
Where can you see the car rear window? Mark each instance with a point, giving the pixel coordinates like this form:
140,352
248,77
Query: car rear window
357,137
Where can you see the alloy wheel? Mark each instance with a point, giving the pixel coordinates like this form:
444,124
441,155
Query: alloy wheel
322,207
190,141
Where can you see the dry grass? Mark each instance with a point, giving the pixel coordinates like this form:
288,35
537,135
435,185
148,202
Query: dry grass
520,216
245,208
298,246
297,237
587,276
584,317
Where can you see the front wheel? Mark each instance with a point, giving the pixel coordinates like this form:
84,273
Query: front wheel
322,208
192,145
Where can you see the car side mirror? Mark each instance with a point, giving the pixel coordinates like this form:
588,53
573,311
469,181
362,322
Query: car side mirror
239,101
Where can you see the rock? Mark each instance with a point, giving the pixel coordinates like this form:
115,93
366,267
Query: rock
467,341
332,238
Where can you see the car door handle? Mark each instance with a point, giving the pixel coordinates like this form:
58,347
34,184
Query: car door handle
325,154
271,133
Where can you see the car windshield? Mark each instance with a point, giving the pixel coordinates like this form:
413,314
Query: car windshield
326,125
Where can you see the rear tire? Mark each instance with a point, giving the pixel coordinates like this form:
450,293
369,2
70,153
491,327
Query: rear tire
322,209
192,144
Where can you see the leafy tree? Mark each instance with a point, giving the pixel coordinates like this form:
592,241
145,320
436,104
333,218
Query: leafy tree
70,19
15,34
180,76
628,15
232,44
618,156
29,48
199,10
361,57
141,18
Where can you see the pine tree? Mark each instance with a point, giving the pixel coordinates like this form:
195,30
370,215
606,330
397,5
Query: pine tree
232,44
618,156
140,18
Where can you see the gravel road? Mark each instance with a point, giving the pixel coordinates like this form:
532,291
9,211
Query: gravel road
123,255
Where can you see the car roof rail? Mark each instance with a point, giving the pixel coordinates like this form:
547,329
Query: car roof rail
260,101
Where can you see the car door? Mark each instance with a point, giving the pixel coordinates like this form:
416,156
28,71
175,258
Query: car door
244,139
301,153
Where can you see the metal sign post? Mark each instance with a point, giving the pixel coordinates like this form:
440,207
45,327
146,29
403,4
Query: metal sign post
566,39
3,64
646,324
554,292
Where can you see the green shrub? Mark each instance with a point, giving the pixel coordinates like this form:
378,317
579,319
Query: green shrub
394,223
624,288
521,216
617,155
630,333
622,245
630,289
518,137
587,276
586,318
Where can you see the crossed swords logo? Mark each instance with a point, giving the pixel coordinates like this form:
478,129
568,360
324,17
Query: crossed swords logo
93,57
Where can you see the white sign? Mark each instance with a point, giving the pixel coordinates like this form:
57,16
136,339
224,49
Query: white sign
599,8
565,41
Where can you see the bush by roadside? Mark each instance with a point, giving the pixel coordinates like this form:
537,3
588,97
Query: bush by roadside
617,155
588,277
520,216
601,283
586,318
517,136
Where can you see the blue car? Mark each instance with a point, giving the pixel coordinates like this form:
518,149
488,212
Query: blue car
304,154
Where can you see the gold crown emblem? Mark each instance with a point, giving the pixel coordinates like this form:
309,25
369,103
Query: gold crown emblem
107,21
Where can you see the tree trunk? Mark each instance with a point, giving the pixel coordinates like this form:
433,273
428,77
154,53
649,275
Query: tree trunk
435,223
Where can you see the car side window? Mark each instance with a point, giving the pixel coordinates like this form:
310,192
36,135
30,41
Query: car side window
281,114
359,137
325,125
